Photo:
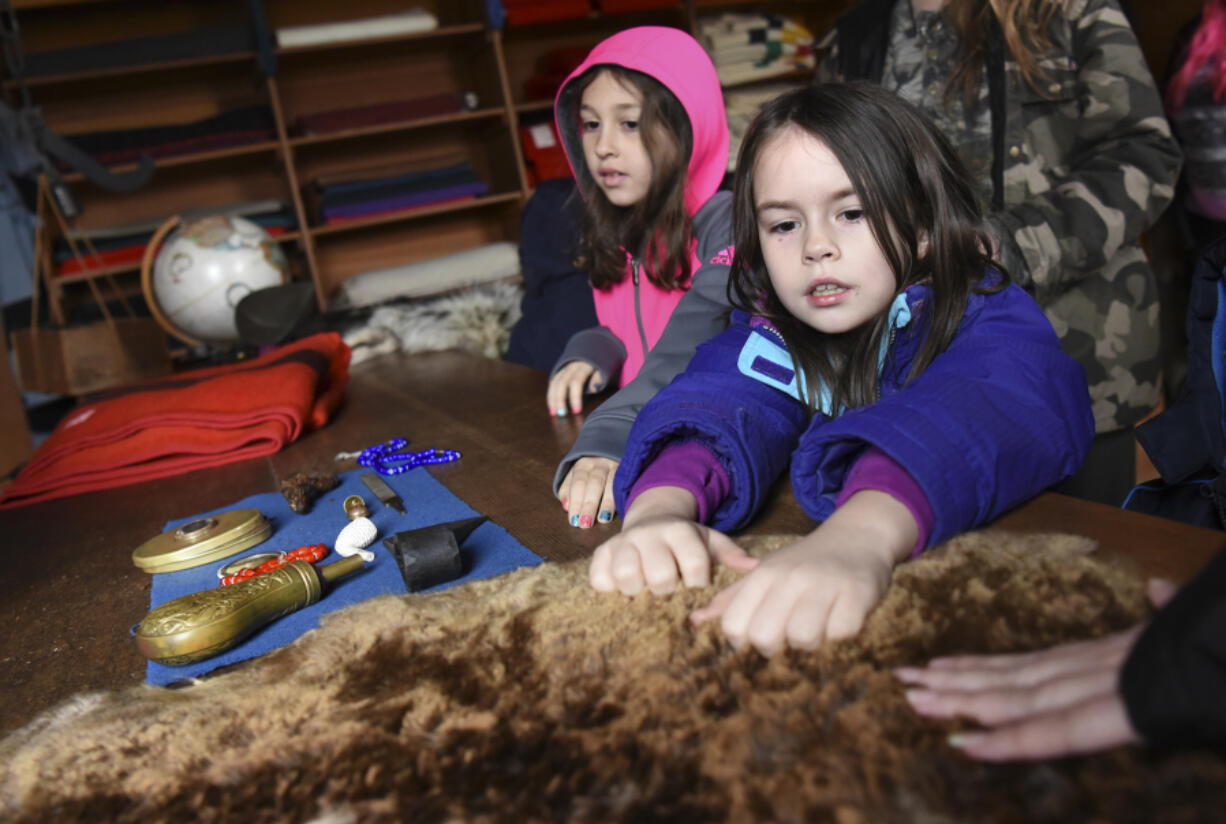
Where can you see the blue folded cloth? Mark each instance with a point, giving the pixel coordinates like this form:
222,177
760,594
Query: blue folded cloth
349,191
488,551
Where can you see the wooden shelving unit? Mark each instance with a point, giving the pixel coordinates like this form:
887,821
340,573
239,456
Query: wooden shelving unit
463,55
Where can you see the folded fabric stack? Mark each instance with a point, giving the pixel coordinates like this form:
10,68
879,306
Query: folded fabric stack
391,189
750,47
619,6
742,106
207,417
551,69
469,267
375,114
387,25
234,127
543,150
125,244
522,12
202,42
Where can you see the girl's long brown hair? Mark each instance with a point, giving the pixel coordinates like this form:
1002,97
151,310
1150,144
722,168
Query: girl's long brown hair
915,193
657,229
1025,26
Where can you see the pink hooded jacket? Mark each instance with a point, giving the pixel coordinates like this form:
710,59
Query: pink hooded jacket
635,310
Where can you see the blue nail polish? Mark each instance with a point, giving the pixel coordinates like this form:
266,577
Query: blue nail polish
561,413
574,520
605,516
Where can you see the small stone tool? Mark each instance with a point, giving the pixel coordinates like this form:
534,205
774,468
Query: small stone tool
383,492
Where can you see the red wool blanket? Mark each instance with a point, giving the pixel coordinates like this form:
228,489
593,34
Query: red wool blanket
201,418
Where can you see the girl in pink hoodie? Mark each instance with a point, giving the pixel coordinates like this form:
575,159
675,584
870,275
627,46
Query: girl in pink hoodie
643,125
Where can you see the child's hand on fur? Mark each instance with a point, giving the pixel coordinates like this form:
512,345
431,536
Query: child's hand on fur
661,544
587,492
568,385
823,586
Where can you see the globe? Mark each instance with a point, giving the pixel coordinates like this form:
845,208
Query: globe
204,268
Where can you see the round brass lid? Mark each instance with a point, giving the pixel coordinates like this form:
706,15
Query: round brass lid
203,540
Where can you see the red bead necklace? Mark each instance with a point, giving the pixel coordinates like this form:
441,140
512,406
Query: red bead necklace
310,554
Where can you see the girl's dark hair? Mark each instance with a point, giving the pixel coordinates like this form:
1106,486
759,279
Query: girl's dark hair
657,229
912,188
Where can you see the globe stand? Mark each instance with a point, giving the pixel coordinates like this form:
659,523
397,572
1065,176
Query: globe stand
146,284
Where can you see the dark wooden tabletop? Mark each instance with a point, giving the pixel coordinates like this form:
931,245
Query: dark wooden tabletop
69,592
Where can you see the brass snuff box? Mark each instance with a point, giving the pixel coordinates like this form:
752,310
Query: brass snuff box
203,540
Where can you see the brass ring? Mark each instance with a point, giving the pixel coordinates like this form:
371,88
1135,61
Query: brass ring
246,562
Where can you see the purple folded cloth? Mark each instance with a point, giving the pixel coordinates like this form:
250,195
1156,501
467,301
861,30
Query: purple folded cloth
406,201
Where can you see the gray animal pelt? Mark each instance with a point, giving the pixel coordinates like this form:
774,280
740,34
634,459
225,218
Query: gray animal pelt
477,319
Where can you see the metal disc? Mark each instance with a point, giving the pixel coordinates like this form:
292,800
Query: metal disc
203,540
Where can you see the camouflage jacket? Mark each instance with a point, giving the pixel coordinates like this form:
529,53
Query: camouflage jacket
1081,167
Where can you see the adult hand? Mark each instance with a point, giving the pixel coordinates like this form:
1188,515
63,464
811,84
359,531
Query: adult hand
587,491
821,587
567,386
661,545
1060,701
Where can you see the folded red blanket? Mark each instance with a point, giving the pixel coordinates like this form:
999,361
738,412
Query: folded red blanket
201,418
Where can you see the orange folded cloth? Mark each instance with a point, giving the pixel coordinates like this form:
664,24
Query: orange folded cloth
201,418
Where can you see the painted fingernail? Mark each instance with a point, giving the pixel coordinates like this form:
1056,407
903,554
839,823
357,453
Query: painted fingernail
585,521
561,412
574,520
575,410
564,500
605,516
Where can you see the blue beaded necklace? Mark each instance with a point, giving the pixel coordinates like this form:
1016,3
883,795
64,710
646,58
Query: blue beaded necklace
387,459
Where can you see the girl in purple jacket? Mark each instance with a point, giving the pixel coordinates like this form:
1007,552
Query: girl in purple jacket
877,347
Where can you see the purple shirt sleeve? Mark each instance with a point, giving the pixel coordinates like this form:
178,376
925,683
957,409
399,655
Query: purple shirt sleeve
691,466
695,468
877,470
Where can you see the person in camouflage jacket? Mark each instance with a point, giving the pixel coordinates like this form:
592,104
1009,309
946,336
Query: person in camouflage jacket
1065,130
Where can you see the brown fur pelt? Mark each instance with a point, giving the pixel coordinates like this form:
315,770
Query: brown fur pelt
529,697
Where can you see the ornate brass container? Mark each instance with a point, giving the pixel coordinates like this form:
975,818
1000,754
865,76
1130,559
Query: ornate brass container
203,540
203,624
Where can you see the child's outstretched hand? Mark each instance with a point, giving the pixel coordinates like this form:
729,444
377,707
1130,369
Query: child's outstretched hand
823,586
567,386
661,544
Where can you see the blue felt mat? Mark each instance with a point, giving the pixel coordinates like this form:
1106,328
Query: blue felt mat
488,551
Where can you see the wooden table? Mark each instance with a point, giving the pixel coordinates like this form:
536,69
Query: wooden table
69,592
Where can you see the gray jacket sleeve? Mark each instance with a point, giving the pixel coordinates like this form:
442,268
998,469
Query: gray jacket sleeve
700,315
597,346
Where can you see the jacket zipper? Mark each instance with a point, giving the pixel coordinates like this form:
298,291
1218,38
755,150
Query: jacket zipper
889,347
774,333
638,309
